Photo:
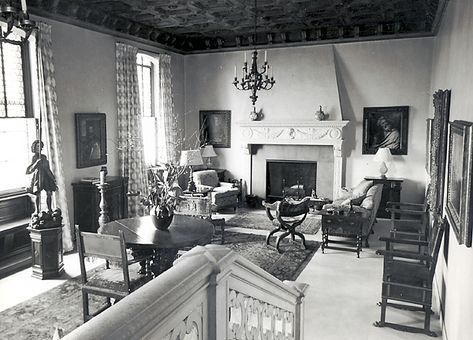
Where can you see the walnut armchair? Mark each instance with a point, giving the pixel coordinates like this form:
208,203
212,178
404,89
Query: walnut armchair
114,281
408,277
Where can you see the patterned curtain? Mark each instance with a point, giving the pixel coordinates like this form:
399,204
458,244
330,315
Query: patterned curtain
130,142
51,131
168,125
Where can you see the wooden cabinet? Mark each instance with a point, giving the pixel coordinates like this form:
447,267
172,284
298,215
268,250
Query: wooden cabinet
87,199
391,193
15,247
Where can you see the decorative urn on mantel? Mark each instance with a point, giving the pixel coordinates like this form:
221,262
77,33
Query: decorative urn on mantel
320,114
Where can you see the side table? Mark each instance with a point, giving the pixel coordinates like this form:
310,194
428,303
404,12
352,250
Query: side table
348,226
391,193
199,205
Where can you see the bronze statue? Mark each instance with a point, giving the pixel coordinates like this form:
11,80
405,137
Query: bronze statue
42,179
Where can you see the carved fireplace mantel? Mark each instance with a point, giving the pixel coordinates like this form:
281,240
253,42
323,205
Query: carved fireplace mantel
311,132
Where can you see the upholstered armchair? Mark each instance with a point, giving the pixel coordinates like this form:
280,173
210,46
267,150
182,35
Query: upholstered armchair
363,199
222,194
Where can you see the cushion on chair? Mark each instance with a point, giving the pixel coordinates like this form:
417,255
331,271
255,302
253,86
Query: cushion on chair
112,278
206,177
362,188
368,202
224,191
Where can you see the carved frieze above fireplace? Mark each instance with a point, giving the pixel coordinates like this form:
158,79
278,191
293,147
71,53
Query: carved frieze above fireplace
295,133
299,133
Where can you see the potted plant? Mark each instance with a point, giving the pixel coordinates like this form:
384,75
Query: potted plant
163,192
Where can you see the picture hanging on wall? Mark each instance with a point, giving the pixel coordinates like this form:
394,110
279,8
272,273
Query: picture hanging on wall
215,128
459,181
385,127
91,139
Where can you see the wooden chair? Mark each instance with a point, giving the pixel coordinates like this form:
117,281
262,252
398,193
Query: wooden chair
116,281
409,220
289,215
408,277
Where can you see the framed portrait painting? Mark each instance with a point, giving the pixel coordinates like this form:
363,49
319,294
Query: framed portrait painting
459,181
385,127
215,128
91,139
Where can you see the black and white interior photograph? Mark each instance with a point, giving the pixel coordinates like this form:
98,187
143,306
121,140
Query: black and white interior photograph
236,169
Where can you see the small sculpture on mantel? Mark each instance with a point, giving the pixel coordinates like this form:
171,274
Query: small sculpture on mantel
320,114
42,179
254,115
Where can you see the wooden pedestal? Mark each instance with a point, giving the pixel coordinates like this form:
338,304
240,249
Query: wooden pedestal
46,248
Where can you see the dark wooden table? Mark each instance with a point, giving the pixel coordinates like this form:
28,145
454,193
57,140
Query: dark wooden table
144,238
348,226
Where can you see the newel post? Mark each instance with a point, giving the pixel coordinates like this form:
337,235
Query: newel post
299,314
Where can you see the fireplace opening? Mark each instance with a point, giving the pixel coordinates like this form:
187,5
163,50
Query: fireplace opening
287,178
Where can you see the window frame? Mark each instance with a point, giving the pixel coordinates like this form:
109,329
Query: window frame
152,86
28,98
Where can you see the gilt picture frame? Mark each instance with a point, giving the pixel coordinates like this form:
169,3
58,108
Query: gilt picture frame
215,128
385,127
459,181
428,145
91,139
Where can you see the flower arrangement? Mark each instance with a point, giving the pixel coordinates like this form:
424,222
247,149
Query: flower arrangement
163,189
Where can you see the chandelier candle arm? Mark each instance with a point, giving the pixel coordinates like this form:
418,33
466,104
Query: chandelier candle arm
23,6
12,20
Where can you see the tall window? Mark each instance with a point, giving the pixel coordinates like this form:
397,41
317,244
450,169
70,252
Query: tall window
17,125
148,76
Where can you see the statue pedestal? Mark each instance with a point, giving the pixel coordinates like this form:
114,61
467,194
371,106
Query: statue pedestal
46,248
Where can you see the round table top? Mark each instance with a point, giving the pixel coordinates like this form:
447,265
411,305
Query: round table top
184,231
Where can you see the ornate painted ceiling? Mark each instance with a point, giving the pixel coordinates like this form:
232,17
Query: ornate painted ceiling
202,25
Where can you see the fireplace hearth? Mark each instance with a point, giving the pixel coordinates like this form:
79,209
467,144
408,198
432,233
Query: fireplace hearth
290,178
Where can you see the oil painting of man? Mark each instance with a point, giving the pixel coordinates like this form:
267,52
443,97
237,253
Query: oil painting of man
385,127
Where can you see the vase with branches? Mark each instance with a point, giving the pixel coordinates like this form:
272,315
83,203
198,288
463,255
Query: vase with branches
163,192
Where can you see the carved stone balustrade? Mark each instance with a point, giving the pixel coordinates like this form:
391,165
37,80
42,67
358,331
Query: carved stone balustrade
211,293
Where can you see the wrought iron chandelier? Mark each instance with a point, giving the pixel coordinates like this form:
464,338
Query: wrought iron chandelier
14,20
253,79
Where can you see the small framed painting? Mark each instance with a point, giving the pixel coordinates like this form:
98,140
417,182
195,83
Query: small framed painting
459,181
91,139
215,128
385,127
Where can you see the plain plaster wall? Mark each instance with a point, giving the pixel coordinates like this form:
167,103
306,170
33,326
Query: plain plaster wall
85,72
350,76
453,53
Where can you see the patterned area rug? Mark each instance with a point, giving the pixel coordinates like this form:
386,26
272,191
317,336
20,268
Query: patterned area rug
257,219
62,305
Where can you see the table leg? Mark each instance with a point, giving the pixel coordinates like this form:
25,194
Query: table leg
163,260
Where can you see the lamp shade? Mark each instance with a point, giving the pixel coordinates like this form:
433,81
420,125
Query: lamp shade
208,151
191,157
383,155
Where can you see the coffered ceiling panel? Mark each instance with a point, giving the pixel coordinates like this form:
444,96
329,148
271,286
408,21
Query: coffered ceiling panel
203,25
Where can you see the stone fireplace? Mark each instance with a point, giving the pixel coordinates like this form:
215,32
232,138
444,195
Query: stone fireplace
302,133
290,178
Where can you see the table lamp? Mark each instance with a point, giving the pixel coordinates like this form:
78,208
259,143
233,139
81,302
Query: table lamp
382,156
209,152
190,158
